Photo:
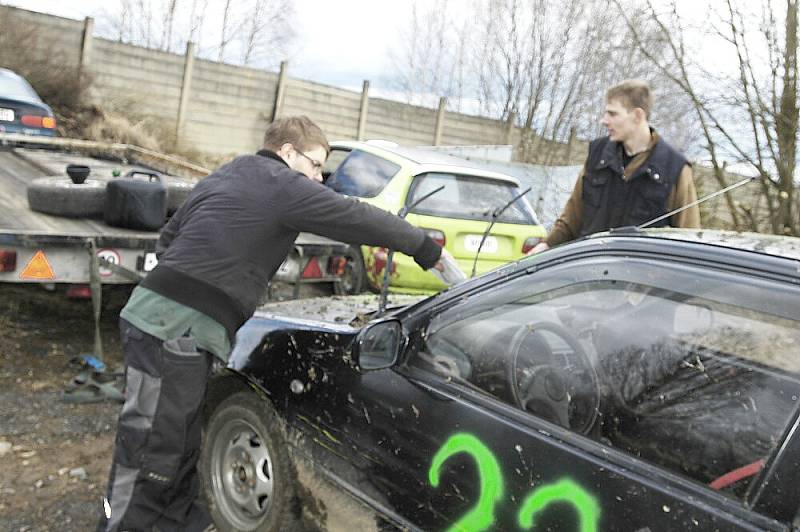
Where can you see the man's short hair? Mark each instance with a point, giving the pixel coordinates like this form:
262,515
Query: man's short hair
632,93
299,131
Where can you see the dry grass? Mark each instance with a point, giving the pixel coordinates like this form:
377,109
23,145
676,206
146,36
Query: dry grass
112,127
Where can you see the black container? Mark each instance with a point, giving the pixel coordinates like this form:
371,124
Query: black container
78,173
135,203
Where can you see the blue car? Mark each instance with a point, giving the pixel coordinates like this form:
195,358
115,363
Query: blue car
21,109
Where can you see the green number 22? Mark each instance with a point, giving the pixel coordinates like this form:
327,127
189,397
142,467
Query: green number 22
482,515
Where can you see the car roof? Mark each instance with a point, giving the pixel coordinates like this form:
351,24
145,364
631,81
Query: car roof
424,160
775,245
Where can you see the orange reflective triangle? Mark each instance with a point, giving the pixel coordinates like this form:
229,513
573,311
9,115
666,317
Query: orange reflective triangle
38,268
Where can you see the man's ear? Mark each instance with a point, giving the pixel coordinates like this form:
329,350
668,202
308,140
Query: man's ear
285,149
287,153
639,114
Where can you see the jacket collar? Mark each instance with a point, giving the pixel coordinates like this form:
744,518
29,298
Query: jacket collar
271,155
643,162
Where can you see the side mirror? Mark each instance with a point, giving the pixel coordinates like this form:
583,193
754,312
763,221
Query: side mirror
378,345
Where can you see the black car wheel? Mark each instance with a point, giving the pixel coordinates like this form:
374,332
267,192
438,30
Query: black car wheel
248,476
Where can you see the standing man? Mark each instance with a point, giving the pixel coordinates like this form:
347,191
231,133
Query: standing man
216,256
630,177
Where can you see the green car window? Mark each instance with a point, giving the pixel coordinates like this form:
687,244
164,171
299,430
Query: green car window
470,198
362,175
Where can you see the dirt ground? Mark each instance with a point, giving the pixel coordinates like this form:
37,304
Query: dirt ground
54,456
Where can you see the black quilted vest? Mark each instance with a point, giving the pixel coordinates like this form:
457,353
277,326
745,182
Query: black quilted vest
610,201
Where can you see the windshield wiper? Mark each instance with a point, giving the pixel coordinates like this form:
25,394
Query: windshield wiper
698,201
402,213
495,215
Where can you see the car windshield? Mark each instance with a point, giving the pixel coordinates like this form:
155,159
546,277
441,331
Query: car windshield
362,175
469,197
16,88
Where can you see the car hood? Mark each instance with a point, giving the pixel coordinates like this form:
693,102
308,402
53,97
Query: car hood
341,310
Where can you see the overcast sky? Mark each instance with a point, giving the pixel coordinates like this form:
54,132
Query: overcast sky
340,42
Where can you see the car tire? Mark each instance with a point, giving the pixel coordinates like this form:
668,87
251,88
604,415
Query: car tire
248,478
354,280
178,191
61,197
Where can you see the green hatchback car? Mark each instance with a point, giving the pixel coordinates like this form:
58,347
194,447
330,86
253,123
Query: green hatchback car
390,177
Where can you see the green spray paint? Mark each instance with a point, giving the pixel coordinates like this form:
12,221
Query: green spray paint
481,516
563,491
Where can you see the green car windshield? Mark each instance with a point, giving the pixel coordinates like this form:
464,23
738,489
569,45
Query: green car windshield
469,198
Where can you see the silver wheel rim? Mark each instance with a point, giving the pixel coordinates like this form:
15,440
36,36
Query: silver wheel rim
242,474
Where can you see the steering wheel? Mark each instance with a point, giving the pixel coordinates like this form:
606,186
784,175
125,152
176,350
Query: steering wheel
561,389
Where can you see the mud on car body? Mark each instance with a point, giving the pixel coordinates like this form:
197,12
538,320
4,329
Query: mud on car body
644,380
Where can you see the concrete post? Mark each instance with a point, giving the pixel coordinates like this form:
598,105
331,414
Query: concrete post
573,137
510,125
362,114
280,91
86,45
188,66
437,136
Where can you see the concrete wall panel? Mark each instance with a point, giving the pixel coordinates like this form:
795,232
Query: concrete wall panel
229,107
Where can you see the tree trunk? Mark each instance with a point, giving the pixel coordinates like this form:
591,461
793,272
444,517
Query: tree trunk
787,122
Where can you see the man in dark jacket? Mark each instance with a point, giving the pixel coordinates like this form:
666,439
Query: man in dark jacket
216,256
630,177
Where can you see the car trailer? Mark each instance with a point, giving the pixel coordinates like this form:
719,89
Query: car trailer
83,251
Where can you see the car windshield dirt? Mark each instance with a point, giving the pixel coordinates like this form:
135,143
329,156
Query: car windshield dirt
469,197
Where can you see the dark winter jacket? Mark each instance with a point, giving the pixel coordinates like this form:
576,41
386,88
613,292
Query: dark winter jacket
224,244
579,219
613,199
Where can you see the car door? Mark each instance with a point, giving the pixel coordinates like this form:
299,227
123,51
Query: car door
603,393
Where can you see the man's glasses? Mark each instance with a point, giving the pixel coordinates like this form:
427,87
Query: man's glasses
315,164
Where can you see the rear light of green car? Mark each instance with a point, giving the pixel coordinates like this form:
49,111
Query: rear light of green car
530,243
435,235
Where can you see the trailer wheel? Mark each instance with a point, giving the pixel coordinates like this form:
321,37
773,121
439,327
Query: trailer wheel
62,197
354,280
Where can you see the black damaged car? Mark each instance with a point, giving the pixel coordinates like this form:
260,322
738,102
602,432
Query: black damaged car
637,380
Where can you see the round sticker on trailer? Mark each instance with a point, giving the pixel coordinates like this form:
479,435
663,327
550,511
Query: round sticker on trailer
111,256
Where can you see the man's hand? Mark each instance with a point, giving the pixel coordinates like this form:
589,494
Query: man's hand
447,269
538,248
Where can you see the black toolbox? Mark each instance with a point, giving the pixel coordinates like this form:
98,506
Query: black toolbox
136,203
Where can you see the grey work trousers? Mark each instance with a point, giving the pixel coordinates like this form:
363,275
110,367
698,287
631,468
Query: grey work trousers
153,482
